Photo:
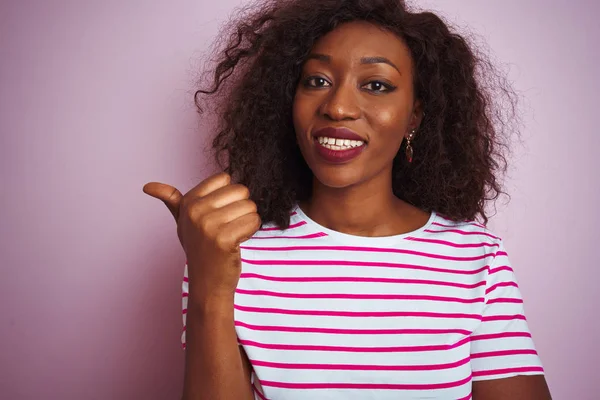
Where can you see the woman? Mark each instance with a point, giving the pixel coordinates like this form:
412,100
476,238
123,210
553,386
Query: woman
344,262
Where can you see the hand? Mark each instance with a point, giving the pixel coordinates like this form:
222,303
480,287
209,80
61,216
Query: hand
212,219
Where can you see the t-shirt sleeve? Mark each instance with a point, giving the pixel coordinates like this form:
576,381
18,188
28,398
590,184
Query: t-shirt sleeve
502,345
185,290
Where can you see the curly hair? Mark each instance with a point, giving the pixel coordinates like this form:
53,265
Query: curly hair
459,152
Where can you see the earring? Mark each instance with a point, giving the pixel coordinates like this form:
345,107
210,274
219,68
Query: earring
409,149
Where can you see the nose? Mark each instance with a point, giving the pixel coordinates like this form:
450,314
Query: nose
340,104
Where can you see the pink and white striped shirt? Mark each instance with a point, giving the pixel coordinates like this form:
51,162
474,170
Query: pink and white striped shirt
327,315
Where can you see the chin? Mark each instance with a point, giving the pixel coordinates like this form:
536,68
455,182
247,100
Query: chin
338,176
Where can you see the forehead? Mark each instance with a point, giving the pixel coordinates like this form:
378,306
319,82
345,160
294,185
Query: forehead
352,40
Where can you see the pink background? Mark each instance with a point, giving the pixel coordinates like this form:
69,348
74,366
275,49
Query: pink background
95,100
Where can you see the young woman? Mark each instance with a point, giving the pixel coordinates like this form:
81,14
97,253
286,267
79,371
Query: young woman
338,257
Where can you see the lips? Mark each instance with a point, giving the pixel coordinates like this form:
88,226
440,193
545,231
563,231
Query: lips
338,156
338,133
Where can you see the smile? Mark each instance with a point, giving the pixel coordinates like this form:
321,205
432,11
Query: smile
338,151
339,144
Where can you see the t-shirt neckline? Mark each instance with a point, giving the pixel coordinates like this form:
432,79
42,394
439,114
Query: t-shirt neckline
363,240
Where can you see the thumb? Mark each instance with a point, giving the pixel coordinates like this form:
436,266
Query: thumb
167,194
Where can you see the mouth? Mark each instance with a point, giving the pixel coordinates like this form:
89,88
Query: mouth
338,139
338,145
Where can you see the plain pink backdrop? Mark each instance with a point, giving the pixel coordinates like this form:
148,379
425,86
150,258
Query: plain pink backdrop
96,100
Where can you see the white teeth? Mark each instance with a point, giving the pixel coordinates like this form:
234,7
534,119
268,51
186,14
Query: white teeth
339,144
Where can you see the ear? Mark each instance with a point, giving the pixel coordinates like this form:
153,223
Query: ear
416,117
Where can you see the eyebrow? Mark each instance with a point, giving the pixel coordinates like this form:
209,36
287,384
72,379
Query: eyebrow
365,60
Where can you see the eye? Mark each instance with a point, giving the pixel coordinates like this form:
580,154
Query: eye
379,87
315,81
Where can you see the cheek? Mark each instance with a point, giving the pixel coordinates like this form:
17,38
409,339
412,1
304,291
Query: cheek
390,123
300,121
297,112
386,116
302,113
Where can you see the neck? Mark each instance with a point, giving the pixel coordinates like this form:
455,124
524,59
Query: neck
366,209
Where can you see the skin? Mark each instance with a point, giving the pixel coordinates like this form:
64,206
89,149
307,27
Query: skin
376,101
212,220
355,198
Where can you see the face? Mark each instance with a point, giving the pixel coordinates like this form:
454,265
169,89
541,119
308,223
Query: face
357,78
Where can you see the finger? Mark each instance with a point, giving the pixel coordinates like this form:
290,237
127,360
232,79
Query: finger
209,185
167,194
225,196
238,231
222,216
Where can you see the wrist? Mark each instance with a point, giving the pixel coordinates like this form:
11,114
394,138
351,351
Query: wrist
211,305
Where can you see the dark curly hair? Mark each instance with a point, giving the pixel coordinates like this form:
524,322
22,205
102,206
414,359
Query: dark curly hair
459,152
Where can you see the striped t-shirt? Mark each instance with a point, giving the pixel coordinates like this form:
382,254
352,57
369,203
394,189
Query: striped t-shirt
327,315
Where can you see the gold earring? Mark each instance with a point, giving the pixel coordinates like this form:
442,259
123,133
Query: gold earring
409,149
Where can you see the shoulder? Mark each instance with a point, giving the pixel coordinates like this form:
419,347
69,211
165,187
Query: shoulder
461,232
472,245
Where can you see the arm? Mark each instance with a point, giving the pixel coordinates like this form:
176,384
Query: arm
212,219
214,368
524,387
